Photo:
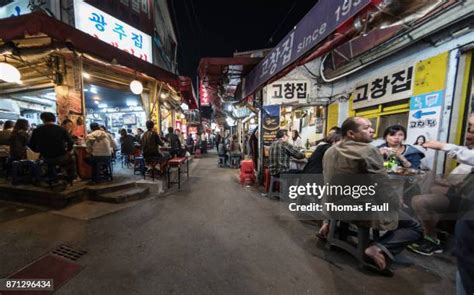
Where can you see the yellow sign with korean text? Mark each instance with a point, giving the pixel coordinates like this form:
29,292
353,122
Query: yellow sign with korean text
333,115
430,74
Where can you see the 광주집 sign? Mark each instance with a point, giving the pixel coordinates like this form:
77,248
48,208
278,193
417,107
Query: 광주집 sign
322,20
107,28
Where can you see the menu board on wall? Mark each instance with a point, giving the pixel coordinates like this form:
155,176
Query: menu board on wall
75,102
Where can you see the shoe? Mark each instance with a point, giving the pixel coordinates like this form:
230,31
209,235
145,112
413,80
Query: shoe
427,247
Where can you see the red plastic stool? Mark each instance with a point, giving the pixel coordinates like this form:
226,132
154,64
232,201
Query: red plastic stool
197,153
266,179
247,174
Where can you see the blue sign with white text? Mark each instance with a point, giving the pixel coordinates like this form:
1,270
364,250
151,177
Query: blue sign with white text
424,101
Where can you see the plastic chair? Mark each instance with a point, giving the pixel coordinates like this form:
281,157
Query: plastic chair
235,161
103,169
139,165
222,161
23,171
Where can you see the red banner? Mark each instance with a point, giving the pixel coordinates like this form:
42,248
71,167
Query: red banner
192,130
204,95
178,125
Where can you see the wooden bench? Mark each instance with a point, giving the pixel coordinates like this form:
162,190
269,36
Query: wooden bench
177,162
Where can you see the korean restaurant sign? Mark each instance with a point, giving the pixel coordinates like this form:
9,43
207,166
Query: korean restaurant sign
286,91
321,21
107,28
271,123
384,87
136,13
241,112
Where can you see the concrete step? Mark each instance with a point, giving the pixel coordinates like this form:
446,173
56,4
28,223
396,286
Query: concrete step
96,190
122,196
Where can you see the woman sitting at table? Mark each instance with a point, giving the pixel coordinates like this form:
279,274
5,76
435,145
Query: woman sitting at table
406,155
19,140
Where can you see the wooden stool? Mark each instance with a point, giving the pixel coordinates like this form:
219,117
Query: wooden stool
339,234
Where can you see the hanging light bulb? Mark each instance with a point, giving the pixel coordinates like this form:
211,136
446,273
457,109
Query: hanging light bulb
136,87
9,73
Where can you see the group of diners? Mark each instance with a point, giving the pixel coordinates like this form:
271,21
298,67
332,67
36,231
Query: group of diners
52,145
349,150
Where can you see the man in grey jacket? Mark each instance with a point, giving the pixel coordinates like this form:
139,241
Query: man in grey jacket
356,156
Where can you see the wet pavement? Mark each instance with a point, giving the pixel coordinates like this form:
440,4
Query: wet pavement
213,236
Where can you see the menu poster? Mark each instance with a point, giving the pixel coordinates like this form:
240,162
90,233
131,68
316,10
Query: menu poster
271,123
75,102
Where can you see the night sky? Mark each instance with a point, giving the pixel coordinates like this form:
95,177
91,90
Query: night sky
218,28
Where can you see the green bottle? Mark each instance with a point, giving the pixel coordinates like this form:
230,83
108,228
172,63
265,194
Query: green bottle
392,163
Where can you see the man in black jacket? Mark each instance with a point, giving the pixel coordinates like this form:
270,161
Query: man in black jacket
54,144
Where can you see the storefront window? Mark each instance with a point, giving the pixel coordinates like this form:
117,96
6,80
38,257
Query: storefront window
395,119
383,116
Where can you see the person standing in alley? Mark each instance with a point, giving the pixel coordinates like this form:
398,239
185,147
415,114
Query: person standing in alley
253,147
218,139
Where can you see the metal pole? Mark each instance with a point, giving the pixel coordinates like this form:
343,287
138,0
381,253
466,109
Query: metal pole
260,141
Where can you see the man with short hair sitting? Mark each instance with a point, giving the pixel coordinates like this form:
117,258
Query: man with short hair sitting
53,143
355,155
280,153
150,143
